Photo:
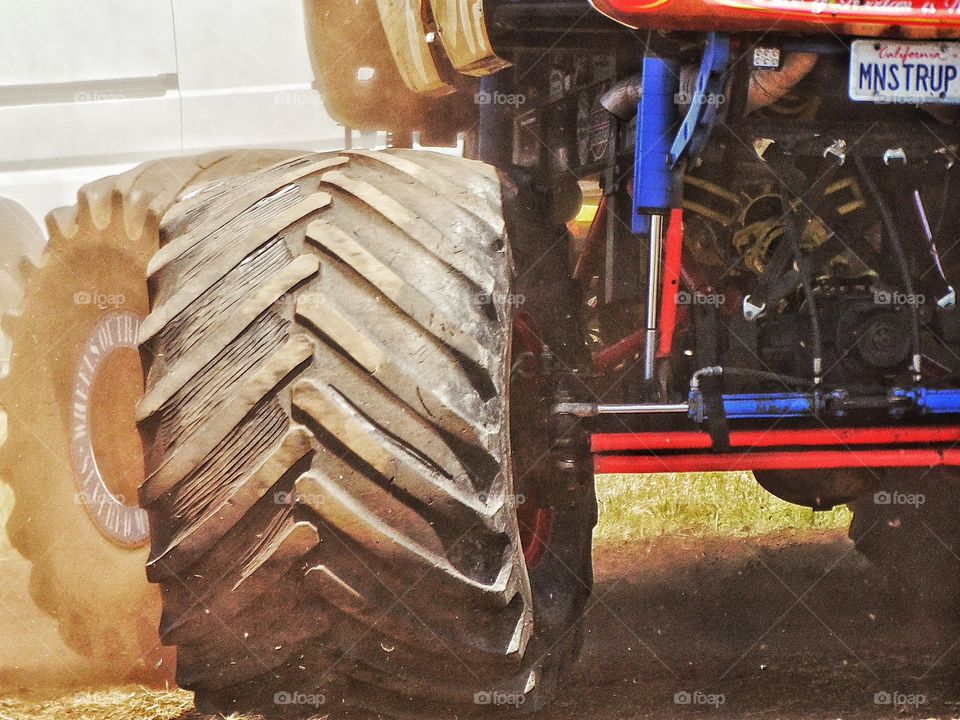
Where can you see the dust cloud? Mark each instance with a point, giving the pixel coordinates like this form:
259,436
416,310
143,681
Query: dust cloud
31,652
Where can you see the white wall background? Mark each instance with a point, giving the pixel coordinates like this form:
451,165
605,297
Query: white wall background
91,88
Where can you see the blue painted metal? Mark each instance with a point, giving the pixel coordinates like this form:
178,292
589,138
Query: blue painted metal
924,401
928,401
757,405
656,116
768,405
655,155
708,96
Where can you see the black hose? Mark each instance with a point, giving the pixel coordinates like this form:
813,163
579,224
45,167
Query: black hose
753,373
767,375
804,271
938,229
896,241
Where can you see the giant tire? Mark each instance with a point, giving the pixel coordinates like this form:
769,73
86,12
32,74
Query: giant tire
21,244
911,529
329,485
94,586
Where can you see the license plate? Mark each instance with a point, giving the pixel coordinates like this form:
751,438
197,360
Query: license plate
890,71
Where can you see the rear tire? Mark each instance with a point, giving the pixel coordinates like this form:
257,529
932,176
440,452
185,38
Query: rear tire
80,306
21,245
329,484
910,527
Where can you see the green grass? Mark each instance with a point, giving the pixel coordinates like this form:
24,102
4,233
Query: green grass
635,507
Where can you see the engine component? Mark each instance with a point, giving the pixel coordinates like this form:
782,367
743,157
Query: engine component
877,336
621,98
768,86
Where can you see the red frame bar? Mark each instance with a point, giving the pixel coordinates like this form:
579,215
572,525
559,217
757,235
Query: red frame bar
803,460
698,440
610,357
673,257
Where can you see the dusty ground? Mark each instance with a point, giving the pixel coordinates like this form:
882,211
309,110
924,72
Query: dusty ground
789,626
783,626
30,649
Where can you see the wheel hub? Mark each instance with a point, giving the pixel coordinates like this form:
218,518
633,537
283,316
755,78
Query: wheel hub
106,450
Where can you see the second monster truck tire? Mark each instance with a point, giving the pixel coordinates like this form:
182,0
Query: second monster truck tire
21,244
333,508
910,528
73,455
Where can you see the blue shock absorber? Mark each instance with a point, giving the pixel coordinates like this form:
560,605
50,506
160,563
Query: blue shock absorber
656,116
653,180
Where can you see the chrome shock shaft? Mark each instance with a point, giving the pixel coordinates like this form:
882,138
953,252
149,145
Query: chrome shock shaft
654,282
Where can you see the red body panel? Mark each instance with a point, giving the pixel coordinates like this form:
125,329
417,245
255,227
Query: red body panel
909,18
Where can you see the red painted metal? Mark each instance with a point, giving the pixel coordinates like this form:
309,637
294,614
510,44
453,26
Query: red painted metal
608,358
526,340
698,440
924,18
533,519
800,460
673,257
535,525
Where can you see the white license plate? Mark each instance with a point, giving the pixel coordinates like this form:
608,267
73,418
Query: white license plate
890,71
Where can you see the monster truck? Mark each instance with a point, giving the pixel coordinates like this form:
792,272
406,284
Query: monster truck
378,385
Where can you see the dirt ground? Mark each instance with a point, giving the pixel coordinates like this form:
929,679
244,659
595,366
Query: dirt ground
790,626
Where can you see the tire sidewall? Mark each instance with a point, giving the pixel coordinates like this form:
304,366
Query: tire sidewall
94,587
